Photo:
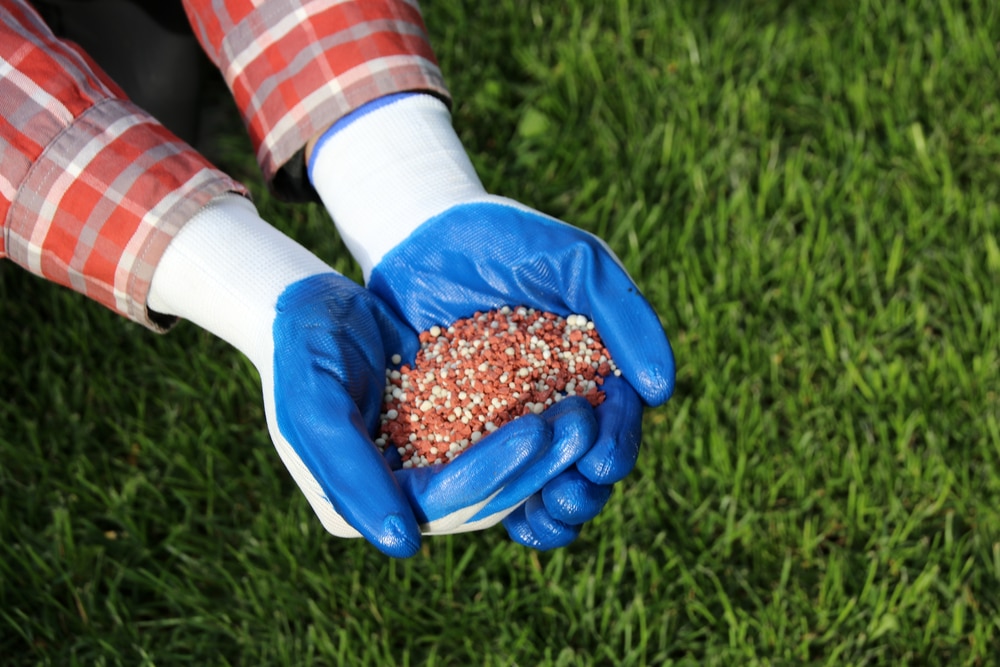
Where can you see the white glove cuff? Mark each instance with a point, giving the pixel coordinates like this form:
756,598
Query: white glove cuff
388,171
224,271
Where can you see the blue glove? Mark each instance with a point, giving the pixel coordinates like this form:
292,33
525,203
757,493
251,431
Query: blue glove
436,247
554,517
485,255
320,344
331,340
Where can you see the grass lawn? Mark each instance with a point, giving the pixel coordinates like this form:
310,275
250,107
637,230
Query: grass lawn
809,195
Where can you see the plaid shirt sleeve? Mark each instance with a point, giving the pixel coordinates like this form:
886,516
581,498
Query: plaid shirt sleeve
296,66
92,189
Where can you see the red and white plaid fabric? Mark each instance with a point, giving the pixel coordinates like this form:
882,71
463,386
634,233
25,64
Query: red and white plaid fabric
92,188
295,66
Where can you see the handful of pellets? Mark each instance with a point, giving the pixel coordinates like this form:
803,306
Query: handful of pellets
481,372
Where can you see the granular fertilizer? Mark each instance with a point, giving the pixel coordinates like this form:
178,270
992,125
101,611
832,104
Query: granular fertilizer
471,378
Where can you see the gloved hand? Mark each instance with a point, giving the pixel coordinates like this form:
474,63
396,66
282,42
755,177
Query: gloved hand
320,342
436,247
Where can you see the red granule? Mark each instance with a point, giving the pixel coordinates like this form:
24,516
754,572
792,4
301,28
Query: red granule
483,371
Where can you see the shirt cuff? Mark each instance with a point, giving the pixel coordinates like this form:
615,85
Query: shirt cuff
99,206
293,74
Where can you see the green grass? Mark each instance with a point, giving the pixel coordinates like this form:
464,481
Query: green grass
806,192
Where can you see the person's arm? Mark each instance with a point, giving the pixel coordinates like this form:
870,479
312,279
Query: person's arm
98,196
92,188
295,67
320,343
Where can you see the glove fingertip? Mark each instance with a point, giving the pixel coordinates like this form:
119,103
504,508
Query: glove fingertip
573,499
517,528
652,379
526,437
399,536
574,425
531,525
616,447
656,386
